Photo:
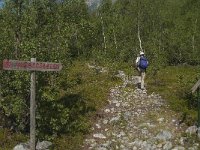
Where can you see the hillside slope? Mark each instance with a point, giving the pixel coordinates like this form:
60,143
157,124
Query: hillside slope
137,120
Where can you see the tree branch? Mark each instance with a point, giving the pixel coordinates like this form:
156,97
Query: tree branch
139,34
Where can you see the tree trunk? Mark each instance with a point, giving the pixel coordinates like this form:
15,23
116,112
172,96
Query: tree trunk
103,33
138,24
115,39
18,36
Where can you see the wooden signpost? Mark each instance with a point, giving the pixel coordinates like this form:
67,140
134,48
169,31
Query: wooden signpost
31,66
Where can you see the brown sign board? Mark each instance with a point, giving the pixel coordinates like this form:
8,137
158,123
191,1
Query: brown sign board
196,86
31,66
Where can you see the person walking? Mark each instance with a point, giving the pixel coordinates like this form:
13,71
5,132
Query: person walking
141,64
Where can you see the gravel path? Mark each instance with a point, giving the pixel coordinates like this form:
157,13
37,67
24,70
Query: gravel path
135,120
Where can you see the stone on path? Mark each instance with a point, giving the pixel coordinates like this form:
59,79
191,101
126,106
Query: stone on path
99,135
164,135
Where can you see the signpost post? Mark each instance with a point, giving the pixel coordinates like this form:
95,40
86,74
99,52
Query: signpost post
32,109
31,66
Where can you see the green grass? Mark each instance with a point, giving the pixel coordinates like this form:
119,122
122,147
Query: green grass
9,139
174,84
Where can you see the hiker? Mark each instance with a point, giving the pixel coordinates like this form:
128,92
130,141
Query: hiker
141,64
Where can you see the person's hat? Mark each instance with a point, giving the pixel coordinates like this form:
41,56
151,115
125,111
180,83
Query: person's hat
141,53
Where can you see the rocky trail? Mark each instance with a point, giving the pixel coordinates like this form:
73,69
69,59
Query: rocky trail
134,120
137,120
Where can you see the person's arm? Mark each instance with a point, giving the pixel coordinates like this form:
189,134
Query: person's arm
136,61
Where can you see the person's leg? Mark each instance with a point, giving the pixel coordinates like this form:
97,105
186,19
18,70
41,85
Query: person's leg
142,79
139,79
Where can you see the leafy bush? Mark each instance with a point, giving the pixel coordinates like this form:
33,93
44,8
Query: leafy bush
65,102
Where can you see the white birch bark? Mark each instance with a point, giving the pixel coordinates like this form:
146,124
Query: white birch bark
140,41
103,32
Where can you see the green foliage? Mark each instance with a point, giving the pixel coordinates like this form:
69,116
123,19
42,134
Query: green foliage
14,99
65,31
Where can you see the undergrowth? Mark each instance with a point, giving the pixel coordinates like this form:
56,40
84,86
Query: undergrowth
8,139
65,117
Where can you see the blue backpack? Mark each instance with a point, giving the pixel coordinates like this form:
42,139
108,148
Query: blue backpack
143,64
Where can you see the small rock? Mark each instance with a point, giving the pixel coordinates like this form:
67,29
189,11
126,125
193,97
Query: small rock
107,110
173,120
131,144
167,146
100,136
112,109
118,104
21,147
104,146
105,121
164,135
135,148
90,140
196,144
178,148
121,134
138,143
159,145
160,120
193,148
43,145
127,115
182,140
144,145
122,147
191,130
114,119
98,126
